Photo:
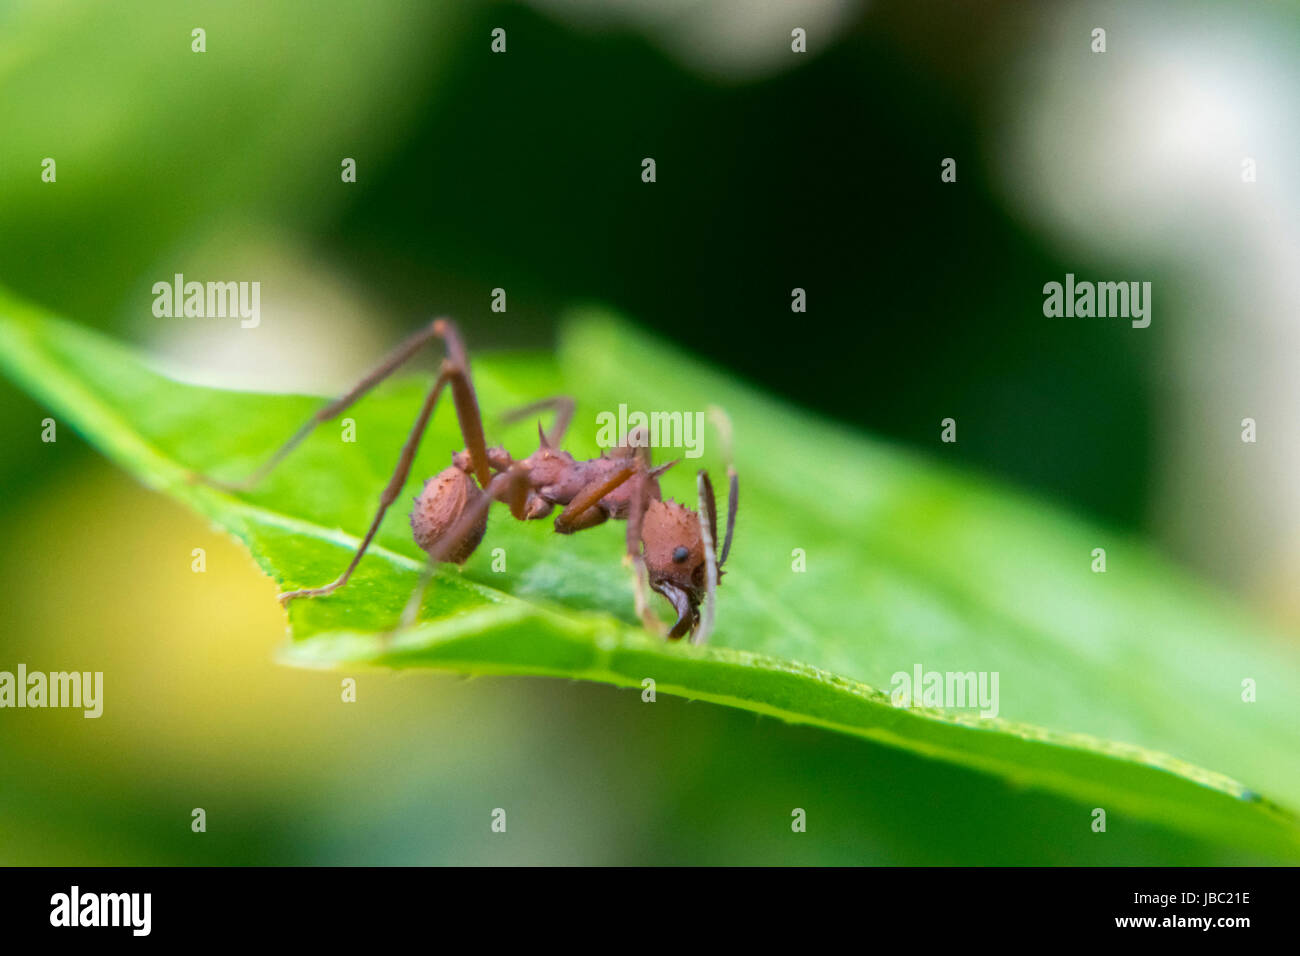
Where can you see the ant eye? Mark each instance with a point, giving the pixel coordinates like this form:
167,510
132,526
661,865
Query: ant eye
681,553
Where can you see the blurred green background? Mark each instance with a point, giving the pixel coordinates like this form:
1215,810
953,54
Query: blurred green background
522,171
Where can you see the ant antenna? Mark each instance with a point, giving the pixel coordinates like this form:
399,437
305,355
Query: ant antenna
722,423
708,531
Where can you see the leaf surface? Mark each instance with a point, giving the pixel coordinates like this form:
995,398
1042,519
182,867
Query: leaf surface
1121,690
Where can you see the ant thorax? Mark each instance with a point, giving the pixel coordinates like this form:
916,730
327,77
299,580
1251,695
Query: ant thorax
559,479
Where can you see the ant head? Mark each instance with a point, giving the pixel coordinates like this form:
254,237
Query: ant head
674,560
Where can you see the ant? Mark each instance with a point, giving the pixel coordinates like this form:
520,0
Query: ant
669,546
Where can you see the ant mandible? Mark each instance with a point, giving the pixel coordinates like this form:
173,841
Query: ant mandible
669,546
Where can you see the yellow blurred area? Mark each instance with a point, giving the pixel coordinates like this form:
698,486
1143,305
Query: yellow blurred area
99,577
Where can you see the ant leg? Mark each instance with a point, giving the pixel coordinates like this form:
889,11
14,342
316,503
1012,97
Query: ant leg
636,443
577,515
389,495
462,393
510,486
563,406
390,363
582,513
634,559
455,371
439,328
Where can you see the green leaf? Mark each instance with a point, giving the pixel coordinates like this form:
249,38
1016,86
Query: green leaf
1120,690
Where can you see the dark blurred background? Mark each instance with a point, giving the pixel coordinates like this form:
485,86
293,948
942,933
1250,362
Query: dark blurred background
775,170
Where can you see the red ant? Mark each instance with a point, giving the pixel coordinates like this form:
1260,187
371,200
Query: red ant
668,544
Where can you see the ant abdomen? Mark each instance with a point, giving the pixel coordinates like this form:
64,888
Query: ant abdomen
444,499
